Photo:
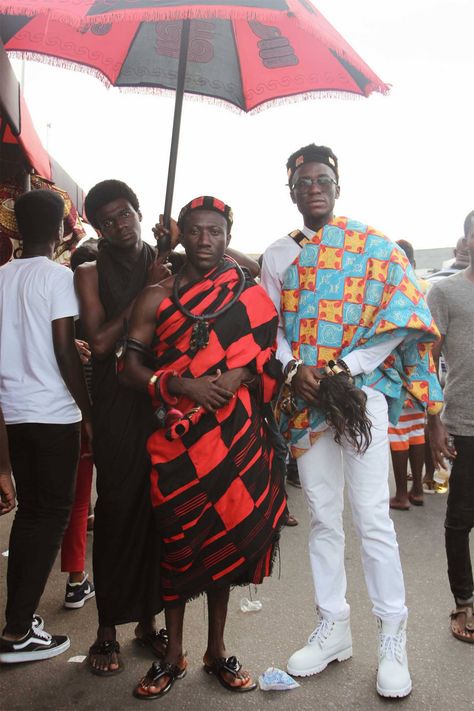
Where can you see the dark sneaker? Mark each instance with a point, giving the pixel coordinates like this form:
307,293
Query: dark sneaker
35,645
78,593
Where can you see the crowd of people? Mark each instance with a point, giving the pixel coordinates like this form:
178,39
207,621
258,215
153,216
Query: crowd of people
207,387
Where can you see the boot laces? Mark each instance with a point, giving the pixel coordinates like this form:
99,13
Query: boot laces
322,631
391,646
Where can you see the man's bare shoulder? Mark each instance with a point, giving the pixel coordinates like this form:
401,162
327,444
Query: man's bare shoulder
152,296
86,271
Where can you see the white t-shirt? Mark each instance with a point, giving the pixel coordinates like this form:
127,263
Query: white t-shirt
33,293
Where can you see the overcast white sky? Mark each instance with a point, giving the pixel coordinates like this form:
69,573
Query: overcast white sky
405,159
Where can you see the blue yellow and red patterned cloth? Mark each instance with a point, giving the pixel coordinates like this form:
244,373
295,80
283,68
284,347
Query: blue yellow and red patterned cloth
351,288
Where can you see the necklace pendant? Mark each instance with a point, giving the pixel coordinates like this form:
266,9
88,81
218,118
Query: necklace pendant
200,335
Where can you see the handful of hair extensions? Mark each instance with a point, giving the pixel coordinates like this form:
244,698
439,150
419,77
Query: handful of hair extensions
345,406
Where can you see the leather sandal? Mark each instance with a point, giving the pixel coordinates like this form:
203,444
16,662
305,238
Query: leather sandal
153,640
157,671
463,612
232,666
106,649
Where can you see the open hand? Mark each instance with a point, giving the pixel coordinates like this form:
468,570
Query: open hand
439,442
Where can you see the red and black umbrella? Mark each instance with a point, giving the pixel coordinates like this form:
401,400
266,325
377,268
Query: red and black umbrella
248,54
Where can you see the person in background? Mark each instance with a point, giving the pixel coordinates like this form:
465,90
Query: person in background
43,395
451,301
125,554
79,588
407,436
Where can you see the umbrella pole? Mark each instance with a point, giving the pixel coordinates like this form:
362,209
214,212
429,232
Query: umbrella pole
178,105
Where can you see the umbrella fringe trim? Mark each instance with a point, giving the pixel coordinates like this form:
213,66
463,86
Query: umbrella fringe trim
202,98
61,64
52,14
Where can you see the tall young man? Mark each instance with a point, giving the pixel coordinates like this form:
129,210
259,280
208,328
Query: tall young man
451,301
217,494
125,557
42,394
344,291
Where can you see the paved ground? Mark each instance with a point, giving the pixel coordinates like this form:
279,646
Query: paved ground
442,668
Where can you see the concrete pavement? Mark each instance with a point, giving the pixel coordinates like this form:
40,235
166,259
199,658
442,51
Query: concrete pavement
441,667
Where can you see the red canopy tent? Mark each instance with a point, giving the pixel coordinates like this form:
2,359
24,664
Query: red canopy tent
25,165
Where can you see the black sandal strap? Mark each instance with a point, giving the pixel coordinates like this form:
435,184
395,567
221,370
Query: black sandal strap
107,647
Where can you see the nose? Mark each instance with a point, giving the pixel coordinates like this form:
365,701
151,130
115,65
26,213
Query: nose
315,187
204,238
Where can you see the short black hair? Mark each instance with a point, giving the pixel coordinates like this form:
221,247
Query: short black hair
467,223
39,214
408,249
86,252
105,192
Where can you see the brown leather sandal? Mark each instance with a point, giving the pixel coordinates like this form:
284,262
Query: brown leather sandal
464,616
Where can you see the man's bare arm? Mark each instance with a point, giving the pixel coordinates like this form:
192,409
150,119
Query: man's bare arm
142,326
245,261
69,363
7,488
102,335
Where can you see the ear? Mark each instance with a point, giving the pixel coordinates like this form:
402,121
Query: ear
139,215
292,195
229,237
337,191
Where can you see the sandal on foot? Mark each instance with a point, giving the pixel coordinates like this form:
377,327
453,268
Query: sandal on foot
416,500
152,639
106,649
156,672
232,666
429,486
463,613
395,504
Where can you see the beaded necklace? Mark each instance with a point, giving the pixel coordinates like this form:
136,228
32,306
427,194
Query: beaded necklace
200,332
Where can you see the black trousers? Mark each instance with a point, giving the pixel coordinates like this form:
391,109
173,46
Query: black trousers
460,519
44,463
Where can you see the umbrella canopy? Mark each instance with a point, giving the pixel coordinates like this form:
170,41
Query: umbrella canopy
247,53
246,63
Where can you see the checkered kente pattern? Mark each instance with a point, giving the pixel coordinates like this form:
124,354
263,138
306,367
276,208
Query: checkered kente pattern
351,287
218,499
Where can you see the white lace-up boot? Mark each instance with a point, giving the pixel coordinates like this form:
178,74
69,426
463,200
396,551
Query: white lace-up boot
330,640
393,677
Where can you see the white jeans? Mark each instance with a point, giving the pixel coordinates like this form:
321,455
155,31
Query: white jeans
322,470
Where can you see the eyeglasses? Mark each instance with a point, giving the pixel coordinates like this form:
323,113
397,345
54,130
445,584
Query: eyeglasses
303,185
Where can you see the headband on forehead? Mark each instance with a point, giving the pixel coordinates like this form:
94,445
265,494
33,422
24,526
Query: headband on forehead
311,154
207,202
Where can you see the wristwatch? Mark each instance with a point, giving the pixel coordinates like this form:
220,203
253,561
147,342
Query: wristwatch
292,370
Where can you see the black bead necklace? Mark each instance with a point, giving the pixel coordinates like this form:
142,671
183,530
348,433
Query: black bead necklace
200,332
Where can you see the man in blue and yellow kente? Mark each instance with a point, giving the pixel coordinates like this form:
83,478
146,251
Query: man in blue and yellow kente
348,302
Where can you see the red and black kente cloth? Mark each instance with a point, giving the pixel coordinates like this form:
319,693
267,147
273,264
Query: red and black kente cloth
218,499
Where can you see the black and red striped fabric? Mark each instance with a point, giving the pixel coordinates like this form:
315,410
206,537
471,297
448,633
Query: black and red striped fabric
217,495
